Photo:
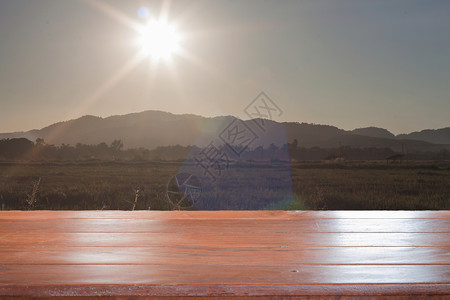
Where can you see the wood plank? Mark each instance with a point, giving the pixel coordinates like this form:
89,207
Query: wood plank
219,291
225,254
223,239
202,215
238,225
181,256
224,274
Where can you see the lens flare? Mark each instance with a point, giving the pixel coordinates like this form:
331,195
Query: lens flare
143,12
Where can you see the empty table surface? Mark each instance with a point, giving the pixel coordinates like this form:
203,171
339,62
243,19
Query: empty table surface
301,254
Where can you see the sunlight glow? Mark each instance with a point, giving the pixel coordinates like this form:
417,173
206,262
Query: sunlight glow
159,39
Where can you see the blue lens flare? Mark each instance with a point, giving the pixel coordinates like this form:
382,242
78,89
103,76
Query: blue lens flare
239,167
143,12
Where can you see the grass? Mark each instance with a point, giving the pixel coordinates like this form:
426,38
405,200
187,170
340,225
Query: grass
316,185
86,186
373,186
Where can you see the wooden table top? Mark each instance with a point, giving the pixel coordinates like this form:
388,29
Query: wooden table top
226,254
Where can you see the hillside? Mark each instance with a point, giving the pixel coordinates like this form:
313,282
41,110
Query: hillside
150,129
374,132
436,136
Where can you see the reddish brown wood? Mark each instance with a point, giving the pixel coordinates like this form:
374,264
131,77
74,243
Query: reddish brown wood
181,256
225,254
256,214
248,226
224,239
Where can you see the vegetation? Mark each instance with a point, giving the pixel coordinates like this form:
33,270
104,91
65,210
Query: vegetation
92,177
25,150
123,185
88,185
413,185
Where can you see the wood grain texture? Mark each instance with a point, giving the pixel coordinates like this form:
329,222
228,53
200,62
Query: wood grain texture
248,226
225,254
256,214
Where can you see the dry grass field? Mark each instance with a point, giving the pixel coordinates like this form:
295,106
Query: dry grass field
317,185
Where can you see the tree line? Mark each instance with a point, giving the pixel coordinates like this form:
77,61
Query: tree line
24,149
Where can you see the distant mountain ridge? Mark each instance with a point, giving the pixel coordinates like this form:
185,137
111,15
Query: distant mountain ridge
374,132
150,129
435,136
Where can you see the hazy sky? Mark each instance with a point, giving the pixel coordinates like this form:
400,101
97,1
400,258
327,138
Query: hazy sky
345,63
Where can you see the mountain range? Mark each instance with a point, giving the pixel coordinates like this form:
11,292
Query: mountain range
150,129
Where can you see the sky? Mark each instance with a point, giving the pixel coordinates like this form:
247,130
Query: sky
345,63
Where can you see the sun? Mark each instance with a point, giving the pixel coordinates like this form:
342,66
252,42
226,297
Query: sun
158,39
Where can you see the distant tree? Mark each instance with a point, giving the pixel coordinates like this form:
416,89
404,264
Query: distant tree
271,151
257,153
116,146
40,142
292,148
16,148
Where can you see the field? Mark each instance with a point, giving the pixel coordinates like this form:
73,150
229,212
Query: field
373,186
96,185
